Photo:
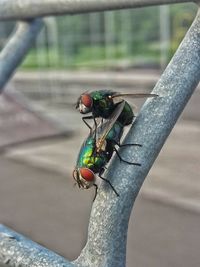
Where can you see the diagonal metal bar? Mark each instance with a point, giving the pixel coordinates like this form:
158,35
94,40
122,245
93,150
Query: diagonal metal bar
16,250
17,9
107,234
17,47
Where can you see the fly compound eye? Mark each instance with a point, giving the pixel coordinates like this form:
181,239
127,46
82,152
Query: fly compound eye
87,174
86,100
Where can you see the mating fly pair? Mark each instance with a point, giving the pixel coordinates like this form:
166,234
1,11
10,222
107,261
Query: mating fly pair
98,148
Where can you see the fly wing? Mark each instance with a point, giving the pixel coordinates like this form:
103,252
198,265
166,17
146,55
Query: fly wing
96,128
133,95
104,128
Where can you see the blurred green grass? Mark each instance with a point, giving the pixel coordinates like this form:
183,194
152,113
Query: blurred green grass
93,56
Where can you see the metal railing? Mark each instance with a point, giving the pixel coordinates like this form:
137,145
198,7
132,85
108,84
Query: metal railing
107,232
16,9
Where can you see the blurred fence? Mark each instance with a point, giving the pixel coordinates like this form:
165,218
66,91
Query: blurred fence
120,40
145,37
114,39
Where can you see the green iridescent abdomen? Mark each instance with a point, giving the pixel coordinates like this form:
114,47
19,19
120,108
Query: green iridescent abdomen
87,158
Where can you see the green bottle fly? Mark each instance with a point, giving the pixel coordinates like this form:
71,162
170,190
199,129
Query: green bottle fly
102,104
97,150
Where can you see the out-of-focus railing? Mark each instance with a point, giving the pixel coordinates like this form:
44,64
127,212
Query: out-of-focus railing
16,9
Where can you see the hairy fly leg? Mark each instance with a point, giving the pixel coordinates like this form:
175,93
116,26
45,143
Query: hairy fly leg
107,181
120,145
128,162
89,118
96,190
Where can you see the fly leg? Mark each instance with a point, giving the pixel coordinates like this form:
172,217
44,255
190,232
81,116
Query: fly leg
95,129
96,189
120,145
95,137
95,124
121,159
87,118
107,181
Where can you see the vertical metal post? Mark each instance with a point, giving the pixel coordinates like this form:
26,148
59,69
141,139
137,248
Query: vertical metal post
109,20
164,35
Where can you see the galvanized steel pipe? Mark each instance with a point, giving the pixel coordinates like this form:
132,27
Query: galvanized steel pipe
17,47
17,9
16,250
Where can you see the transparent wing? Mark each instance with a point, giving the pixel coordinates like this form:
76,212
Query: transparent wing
103,129
134,95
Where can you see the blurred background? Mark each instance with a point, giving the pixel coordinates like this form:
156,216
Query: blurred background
41,134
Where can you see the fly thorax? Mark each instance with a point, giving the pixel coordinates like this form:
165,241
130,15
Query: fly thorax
103,107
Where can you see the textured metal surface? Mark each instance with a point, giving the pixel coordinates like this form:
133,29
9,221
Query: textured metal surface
17,47
17,9
16,251
107,234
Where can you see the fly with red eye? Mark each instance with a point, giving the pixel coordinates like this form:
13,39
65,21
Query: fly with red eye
85,105
85,179
97,150
99,146
86,100
87,174
102,104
